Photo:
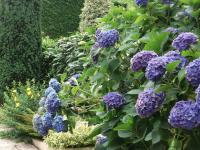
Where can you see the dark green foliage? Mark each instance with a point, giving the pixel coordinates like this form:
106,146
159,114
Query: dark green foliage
20,41
60,17
21,102
70,54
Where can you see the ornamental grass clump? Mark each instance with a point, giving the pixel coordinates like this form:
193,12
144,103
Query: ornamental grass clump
47,117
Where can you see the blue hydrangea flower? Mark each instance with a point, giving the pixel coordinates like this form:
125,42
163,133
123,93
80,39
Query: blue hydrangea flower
174,56
55,85
58,124
52,105
141,2
52,95
47,120
172,30
48,91
73,78
38,125
156,68
185,115
193,72
149,102
141,59
107,38
101,139
42,101
113,100
98,31
94,52
184,41
198,94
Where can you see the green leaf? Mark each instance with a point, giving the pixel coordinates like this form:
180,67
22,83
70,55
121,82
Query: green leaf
124,134
148,137
171,67
162,88
156,137
114,64
135,92
98,76
181,75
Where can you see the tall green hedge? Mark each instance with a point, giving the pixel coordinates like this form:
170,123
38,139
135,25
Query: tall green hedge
60,17
20,41
92,10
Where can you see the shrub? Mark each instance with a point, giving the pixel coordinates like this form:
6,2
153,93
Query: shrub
20,41
70,54
21,102
60,18
92,10
79,137
160,109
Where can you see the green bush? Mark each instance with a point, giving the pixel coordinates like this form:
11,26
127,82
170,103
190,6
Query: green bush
79,137
92,10
21,102
20,41
69,54
60,18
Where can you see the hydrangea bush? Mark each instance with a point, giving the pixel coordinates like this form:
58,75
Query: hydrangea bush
152,60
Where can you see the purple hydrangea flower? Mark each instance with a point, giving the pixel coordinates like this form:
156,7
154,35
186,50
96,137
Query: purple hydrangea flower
52,105
141,2
94,52
48,91
47,120
58,124
184,41
172,30
141,59
193,72
174,56
74,77
42,101
108,38
156,68
101,139
185,115
149,102
113,100
98,31
198,94
38,125
55,85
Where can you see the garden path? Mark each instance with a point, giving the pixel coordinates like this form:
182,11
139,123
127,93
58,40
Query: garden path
6,144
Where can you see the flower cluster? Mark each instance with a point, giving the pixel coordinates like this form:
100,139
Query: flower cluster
141,2
156,68
72,81
46,118
141,59
184,41
149,102
193,72
101,139
113,100
185,115
108,38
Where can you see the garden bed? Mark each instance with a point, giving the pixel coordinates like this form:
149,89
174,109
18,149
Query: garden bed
43,146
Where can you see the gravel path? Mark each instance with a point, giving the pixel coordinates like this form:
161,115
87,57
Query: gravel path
6,144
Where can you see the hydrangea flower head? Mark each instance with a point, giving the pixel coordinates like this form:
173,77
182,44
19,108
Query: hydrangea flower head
58,124
149,102
156,68
98,31
52,105
184,41
101,139
108,38
48,91
47,120
38,125
113,100
55,85
193,72
185,115
174,56
141,2
42,101
141,59
172,30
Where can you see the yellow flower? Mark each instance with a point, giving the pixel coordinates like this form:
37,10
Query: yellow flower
17,104
28,91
